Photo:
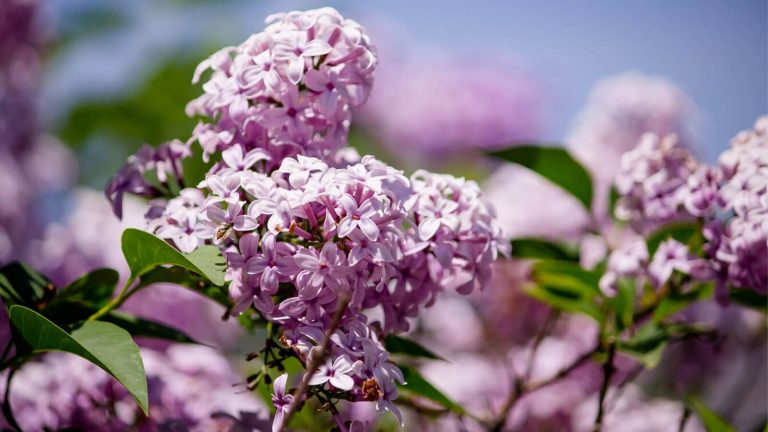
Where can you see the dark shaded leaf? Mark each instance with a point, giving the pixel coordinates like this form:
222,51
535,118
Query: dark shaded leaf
532,248
21,284
140,327
556,165
401,345
187,279
93,290
750,298
103,344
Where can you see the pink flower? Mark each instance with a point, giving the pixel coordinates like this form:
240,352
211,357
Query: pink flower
280,400
336,373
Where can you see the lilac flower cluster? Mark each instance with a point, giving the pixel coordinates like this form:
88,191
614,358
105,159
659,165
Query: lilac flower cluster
661,182
631,261
305,230
652,182
448,105
287,90
190,388
740,245
620,110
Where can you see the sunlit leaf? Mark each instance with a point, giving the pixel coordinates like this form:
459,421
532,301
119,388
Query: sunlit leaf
103,344
144,251
712,422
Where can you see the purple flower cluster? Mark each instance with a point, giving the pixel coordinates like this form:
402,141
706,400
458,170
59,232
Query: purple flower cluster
190,388
740,245
631,261
620,110
652,182
304,226
287,90
661,182
453,104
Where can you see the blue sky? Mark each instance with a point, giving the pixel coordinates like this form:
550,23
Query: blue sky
716,51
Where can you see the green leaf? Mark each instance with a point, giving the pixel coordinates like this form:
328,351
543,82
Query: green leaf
94,289
103,344
401,345
750,298
613,199
676,302
566,286
417,385
144,251
532,248
82,298
684,232
624,303
556,165
23,285
647,345
140,327
712,422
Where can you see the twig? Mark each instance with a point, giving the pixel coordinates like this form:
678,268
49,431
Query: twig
314,363
114,303
607,373
7,350
684,419
7,411
563,372
518,383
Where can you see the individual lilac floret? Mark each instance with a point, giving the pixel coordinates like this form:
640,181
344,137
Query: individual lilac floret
652,182
288,90
281,400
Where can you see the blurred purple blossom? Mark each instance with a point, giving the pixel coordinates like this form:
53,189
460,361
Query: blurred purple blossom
190,387
433,106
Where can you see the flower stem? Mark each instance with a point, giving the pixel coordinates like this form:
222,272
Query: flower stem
607,373
114,303
314,363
